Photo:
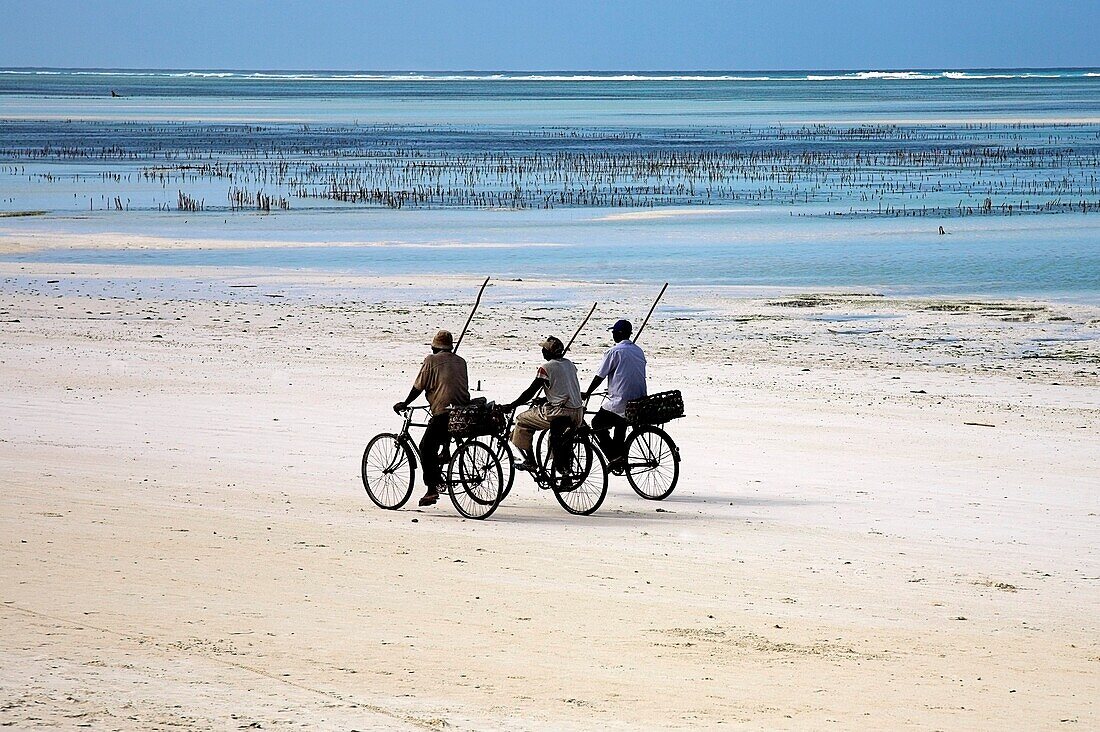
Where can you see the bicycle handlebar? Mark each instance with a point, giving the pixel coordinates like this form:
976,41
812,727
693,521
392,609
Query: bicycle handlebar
532,402
588,397
409,411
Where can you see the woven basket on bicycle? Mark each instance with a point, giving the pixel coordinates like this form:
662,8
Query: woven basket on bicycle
476,419
655,408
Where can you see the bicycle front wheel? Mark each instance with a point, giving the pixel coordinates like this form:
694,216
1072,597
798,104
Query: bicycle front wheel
475,480
542,450
581,485
388,471
507,463
652,463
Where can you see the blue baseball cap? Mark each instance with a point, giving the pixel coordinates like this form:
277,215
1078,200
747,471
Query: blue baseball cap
622,326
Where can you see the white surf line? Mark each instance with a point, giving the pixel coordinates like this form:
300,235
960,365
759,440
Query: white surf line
669,213
141,641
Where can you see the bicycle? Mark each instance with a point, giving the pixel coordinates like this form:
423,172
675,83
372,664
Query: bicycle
578,478
474,479
652,459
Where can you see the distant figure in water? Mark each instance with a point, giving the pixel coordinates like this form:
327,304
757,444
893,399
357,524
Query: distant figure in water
942,232
115,94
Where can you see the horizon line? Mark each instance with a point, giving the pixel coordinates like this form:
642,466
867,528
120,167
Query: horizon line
872,69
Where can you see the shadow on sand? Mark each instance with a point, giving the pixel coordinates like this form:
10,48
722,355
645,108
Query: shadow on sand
645,512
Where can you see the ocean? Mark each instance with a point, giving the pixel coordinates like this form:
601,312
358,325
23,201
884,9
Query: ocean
815,179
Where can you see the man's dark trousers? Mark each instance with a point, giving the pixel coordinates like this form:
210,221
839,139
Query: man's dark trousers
610,430
435,437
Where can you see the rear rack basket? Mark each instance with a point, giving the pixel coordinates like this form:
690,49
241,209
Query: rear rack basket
657,408
476,420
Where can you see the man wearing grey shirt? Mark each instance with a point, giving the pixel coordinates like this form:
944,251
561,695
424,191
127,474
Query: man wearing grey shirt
558,377
624,368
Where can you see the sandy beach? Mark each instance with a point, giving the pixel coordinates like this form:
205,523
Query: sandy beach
887,517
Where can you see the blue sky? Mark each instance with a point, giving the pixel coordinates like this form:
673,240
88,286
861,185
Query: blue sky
552,34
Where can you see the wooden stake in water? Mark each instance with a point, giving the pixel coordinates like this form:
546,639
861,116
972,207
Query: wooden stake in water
476,303
584,323
659,296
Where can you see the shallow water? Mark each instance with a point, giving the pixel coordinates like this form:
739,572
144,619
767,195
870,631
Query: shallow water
724,179
977,257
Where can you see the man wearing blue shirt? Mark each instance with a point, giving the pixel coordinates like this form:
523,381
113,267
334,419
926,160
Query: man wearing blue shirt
624,368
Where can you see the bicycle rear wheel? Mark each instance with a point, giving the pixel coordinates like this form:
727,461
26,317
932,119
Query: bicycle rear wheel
581,487
388,470
475,480
652,463
542,450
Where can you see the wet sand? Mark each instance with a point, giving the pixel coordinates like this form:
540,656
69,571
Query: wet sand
887,516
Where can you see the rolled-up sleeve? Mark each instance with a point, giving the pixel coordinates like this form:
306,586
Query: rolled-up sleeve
424,378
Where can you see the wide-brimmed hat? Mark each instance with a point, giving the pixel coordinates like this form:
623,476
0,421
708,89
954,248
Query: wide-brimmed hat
443,340
553,346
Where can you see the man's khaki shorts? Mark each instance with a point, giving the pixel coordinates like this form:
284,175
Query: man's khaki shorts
538,418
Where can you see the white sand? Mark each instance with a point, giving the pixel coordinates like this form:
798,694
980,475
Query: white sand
187,544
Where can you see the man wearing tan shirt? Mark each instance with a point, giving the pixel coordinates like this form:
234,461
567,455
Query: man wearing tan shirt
445,383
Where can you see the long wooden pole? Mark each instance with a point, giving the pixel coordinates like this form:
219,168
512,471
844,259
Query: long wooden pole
586,317
659,296
476,303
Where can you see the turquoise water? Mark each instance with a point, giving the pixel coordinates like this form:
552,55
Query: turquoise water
572,100
794,179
